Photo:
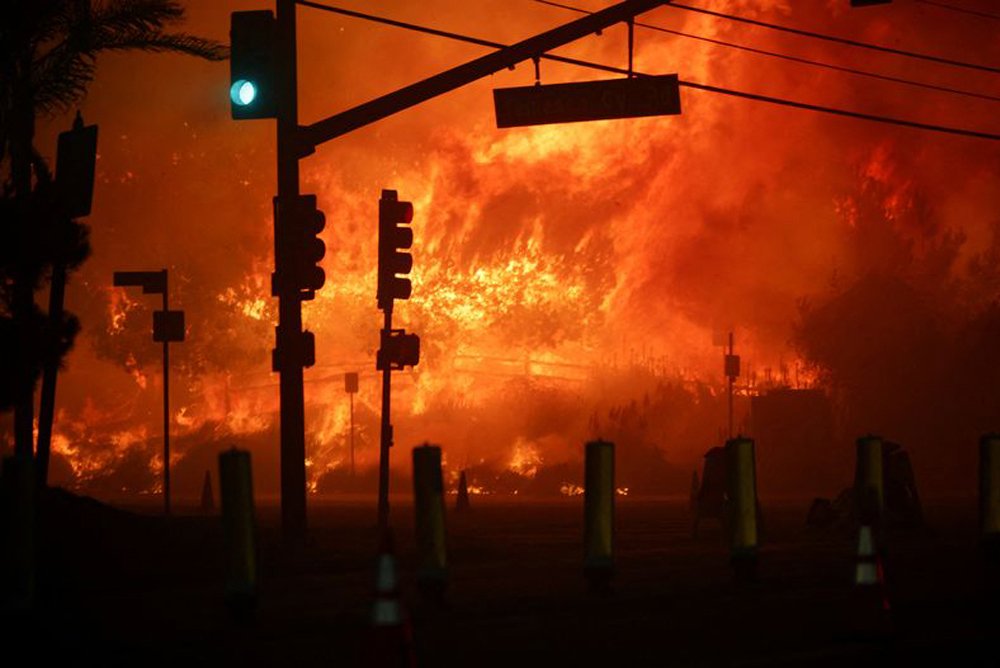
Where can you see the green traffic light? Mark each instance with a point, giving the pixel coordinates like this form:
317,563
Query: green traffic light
243,93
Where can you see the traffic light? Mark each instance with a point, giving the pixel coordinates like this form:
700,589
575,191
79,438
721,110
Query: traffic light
869,3
299,248
398,350
252,66
299,351
393,237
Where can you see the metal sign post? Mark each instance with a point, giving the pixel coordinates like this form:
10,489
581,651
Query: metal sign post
732,369
167,326
351,387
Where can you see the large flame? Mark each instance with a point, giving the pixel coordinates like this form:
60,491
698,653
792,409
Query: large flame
569,280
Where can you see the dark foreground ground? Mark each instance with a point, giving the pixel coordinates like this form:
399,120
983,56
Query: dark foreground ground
124,589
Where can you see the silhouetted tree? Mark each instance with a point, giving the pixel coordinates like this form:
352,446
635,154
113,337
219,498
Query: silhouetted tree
907,340
48,53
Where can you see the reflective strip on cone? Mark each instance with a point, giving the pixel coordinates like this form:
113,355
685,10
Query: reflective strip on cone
387,612
869,567
867,572
390,638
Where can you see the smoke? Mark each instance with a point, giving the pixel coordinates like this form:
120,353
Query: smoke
561,272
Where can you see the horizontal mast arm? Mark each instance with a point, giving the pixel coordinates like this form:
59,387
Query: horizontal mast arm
334,126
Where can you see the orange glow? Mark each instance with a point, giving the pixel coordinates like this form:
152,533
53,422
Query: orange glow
567,279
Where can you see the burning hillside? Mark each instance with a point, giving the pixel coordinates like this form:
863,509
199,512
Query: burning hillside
569,279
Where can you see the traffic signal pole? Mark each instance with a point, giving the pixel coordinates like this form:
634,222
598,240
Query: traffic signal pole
288,337
729,378
385,433
166,409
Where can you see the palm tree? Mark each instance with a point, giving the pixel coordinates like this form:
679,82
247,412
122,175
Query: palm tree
48,56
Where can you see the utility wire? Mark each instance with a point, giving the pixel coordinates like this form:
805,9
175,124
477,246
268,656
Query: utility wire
961,10
794,59
688,84
838,40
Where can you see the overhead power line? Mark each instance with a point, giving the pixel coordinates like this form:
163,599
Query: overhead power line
794,59
838,40
688,84
962,10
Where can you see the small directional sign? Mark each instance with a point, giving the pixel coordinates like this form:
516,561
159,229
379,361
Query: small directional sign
151,282
168,326
732,366
587,101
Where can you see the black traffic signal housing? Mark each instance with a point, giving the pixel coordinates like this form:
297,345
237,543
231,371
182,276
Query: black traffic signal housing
298,247
300,351
869,3
394,237
398,350
253,77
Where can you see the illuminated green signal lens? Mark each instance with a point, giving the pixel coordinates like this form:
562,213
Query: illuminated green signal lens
243,93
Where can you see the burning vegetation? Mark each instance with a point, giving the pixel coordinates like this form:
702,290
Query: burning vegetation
568,280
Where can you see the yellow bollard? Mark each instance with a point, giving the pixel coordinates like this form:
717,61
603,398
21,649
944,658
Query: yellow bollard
741,473
599,513
989,515
868,480
428,503
239,530
989,486
17,558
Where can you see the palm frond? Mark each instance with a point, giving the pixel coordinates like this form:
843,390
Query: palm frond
158,42
61,79
136,15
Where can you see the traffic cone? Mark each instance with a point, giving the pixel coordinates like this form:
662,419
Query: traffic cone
871,601
207,498
391,642
462,503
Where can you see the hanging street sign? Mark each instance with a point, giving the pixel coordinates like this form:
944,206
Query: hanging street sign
587,101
